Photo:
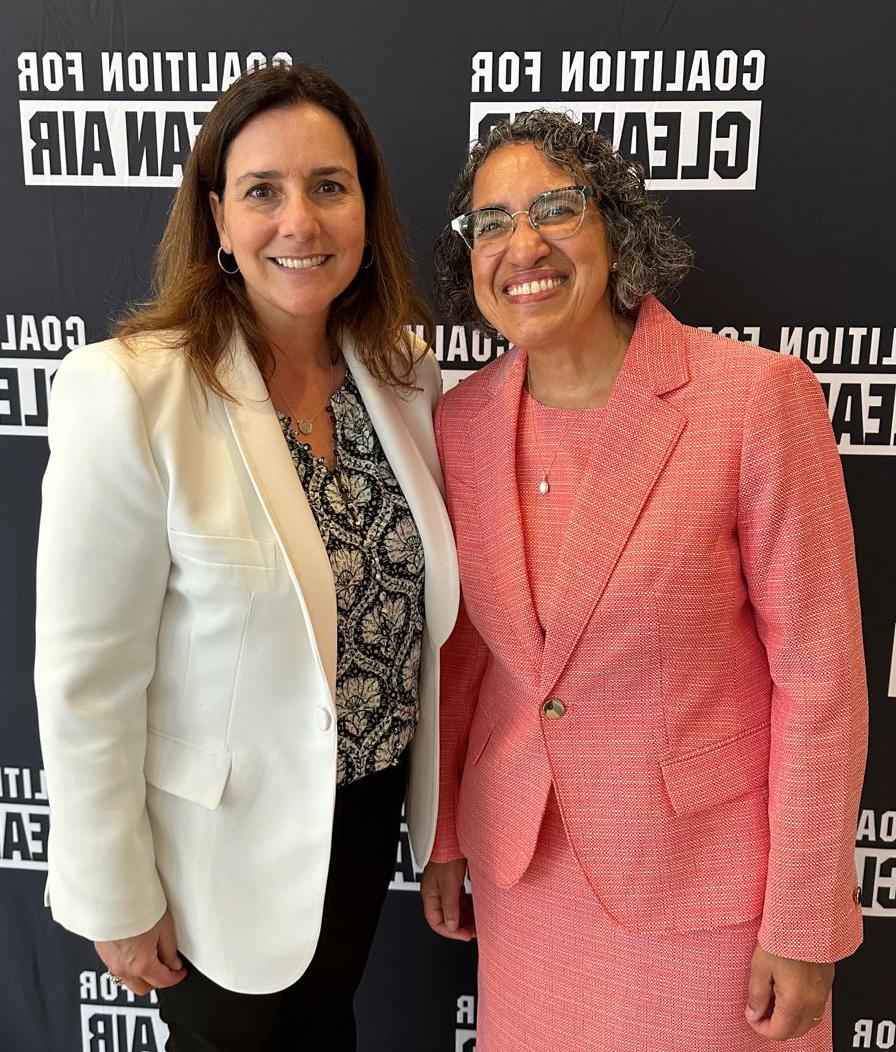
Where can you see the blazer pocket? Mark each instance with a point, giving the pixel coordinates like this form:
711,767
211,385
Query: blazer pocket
224,551
706,777
186,770
480,733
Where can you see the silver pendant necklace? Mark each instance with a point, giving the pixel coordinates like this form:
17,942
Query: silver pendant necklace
544,487
305,424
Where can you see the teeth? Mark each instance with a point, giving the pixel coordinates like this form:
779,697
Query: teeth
528,287
299,264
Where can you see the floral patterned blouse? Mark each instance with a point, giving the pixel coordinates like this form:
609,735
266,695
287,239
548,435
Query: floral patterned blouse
377,561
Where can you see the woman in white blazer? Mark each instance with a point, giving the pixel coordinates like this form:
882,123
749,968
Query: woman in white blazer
245,573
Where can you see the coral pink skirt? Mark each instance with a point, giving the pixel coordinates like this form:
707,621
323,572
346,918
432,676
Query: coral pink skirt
556,974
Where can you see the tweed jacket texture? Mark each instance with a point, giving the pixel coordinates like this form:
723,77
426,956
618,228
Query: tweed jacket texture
707,650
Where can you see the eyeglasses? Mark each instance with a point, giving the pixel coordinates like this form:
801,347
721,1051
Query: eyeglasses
555,214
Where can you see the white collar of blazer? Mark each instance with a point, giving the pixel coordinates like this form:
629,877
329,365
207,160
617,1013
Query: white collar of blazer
268,461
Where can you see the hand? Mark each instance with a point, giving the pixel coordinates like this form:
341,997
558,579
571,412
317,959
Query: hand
786,997
148,961
448,909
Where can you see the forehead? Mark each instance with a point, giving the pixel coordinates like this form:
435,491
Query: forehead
290,138
516,173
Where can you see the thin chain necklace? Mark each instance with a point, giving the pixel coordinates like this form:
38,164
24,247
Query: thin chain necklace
544,486
305,424
335,474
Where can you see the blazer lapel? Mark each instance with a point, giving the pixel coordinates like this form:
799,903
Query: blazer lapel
493,437
639,432
441,582
273,474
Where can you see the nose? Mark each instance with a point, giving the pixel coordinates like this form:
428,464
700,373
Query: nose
299,218
525,245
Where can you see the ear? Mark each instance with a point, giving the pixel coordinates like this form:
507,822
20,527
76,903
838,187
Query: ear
218,215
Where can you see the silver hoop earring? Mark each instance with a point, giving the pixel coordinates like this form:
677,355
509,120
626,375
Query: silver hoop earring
367,248
236,269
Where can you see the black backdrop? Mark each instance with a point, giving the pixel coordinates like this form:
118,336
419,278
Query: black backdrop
768,131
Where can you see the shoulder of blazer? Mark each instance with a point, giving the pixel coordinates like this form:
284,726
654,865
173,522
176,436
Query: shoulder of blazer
731,372
475,393
154,365
140,357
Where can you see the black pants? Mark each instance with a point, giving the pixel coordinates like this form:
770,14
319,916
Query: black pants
316,1013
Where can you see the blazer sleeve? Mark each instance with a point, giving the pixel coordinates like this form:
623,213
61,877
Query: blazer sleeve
102,568
462,664
798,560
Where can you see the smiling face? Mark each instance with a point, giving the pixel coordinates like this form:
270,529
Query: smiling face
537,293
292,213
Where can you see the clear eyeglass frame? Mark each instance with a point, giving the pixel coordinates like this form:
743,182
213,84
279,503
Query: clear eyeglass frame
538,214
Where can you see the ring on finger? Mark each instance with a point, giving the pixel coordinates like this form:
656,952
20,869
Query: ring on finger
115,980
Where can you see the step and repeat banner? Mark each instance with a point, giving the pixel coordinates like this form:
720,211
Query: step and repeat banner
768,133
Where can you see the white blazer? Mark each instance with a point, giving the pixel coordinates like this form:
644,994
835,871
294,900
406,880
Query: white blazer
186,656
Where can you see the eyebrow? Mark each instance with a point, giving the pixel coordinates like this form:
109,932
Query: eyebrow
505,207
315,173
498,204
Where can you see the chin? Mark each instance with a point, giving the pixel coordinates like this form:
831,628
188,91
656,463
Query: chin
528,335
307,308
538,327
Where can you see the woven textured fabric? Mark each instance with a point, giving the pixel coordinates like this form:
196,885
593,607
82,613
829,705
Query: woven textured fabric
555,443
706,647
556,973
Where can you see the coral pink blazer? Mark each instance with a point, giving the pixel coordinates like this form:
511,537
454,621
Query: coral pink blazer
707,651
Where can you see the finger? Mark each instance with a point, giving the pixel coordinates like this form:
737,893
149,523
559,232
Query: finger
817,1017
450,891
137,985
433,912
812,1015
442,898
784,1021
804,1027
459,934
465,929
432,905
436,920
760,993
159,975
167,949
462,933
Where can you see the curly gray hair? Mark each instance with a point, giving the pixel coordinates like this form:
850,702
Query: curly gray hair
650,257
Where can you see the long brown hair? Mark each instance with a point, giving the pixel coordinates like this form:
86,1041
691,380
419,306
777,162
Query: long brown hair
200,305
